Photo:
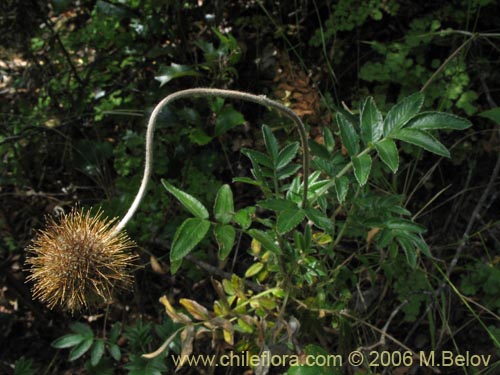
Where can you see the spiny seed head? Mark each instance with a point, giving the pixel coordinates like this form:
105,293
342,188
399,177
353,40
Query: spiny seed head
77,261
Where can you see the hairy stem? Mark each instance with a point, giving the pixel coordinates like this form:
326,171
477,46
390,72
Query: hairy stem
208,92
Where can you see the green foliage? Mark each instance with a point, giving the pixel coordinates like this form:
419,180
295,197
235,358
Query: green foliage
103,354
293,249
74,123
25,366
483,279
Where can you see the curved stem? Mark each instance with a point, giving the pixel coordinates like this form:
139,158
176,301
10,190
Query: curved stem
208,92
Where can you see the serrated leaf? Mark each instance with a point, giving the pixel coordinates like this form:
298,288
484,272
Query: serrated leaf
270,142
409,250
224,205
388,152
198,311
97,352
350,138
287,154
438,120
67,341
289,219
421,139
257,157
254,269
225,236
372,123
80,349
341,188
266,240
192,204
405,225
277,204
244,216
403,111
227,119
492,114
319,219
362,166
187,236
416,239
168,73
289,170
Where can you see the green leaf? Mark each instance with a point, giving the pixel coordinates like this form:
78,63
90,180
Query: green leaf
187,236
80,349
114,333
329,140
438,120
266,240
247,180
405,225
421,139
67,341
362,166
97,352
254,269
192,204
257,157
319,219
403,111
415,238
287,154
492,114
341,187
270,142
244,216
289,170
318,149
372,123
276,204
224,206
82,329
168,73
289,219
227,119
115,352
388,152
199,137
348,134
225,236
409,250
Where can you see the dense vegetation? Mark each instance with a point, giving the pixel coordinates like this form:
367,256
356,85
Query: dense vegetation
395,246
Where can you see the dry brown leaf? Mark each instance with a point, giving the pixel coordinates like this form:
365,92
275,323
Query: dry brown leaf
370,235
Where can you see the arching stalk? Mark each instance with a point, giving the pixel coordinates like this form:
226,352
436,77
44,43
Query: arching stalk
209,92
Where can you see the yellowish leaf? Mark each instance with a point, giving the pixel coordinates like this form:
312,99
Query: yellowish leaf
195,309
